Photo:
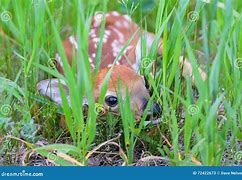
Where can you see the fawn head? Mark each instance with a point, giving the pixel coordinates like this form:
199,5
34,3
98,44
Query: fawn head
124,73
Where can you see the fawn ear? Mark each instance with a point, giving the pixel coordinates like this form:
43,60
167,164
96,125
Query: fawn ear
50,88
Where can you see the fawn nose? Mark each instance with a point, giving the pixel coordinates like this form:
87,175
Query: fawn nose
154,108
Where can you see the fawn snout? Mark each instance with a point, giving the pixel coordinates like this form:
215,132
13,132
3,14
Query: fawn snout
154,108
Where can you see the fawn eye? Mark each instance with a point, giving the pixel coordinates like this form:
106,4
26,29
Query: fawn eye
111,101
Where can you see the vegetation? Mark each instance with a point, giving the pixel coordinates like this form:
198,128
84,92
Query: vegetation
200,123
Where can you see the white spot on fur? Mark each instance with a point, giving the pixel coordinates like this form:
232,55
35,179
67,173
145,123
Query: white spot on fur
105,40
138,48
127,17
118,24
93,35
116,47
92,31
58,59
73,41
126,24
149,39
107,32
115,13
98,18
96,40
120,35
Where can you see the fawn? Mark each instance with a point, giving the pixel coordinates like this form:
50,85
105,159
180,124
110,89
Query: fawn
118,30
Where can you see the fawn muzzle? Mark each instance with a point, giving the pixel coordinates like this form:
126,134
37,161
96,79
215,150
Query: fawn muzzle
153,110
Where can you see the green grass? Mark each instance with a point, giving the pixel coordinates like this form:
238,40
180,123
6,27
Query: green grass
193,130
